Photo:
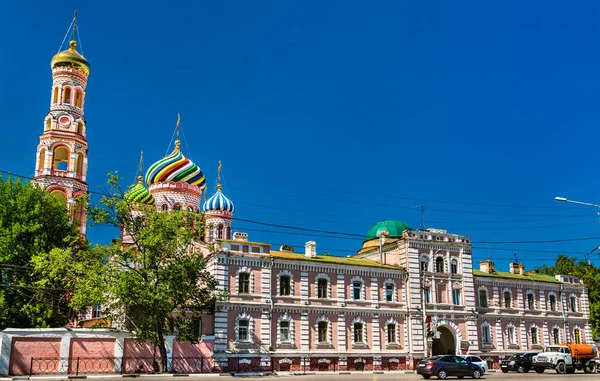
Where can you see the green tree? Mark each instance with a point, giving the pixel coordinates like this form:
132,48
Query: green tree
589,273
33,227
156,282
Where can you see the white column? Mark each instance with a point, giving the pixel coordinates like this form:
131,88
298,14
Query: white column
265,329
341,288
341,334
546,337
65,352
376,334
304,290
119,351
220,331
523,331
542,305
374,292
305,335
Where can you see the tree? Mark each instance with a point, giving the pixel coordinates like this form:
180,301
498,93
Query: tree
34,226
152,284
589,273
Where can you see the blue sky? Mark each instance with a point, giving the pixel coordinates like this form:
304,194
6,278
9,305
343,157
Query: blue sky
334,115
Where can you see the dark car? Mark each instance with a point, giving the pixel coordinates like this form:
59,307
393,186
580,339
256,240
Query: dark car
448,365
520,362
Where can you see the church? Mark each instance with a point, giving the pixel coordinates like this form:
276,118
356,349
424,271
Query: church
405,294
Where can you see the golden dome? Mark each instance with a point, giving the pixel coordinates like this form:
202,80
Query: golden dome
71,58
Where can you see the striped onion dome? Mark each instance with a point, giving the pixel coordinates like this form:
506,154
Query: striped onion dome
218,202
139,194
175,168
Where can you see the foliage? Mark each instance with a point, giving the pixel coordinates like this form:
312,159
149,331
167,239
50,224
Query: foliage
154,282
34,228
591,278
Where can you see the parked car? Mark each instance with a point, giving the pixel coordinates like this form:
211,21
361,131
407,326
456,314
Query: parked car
448,365
478,361
520,362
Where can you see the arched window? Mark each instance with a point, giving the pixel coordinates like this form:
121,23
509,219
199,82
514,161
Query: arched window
211,233
424,261
80,128
164,207
511,334
359,332
486,334
79,166
61,158
244,328
389,292
322,331
48,124
220,231
358,288
556,336
508,299
439,265
552,301
55,95
67,95
577,335
285,327
284,285
454,266
530,300
190,209
42,160
391,327
244,283
60,195
227,232
533,332
322,288
78,98
177,207
573,303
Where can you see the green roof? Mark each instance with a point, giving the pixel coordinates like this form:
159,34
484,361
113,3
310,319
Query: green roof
526,277
395,229
352,261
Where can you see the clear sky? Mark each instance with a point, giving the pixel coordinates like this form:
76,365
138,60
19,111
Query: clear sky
332,115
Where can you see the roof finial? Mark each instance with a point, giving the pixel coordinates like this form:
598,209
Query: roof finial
74,31
177,129
219,176
141,166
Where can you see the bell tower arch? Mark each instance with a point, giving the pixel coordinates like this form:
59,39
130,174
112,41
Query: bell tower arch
62,154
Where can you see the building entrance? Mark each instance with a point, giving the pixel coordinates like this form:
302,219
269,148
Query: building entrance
446,344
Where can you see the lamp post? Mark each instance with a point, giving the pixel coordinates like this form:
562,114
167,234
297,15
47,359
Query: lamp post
564,199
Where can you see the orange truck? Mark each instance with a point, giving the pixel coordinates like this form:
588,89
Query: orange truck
567,358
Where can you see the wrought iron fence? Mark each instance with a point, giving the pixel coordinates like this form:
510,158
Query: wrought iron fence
218,364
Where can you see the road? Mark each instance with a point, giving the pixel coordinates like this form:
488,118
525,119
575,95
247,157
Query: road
496,376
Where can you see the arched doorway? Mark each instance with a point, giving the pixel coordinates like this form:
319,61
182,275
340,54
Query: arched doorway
446,344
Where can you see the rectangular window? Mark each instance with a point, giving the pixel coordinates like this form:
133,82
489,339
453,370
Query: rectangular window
244,283
391,333
483,302
534,336
358,332
577,335
356,290
456,297
552,302
427,291
284,285
389,292
284,331
485,335
507,300
530,302
322,327
453,267
96,312
243,330
573,304
556,336
322,288
510,335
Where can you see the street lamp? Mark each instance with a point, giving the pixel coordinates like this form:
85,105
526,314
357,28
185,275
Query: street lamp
563,199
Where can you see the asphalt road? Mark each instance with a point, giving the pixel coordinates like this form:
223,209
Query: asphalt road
496,376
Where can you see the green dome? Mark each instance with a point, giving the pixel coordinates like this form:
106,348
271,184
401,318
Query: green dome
139,194
393,227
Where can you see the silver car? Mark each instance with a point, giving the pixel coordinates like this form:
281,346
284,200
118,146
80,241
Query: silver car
477,360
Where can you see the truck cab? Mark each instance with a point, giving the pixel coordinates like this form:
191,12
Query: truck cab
562,359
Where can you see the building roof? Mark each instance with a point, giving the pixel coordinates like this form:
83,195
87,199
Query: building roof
394,228
525,277
352,261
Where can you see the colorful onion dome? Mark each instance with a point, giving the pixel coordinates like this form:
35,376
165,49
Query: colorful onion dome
71,58
175,168
218,202
139,194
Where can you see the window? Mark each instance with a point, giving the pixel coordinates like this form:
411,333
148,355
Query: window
456,297
244,283
389,292
427,292
164,207
577,335
190,209
96,312
358,332
67,95
391,333
530,302
356,290
177,207
322,288
556,336
573,304
552,299
322,328
228,232
211,233
439,265
507,299
453,266
55,95
486,337
220,231
243,325
510,335
78,98
284,331
61,158
534,336
483,302
424,261
284,285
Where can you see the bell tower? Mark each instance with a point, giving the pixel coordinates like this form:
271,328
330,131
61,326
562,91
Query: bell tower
62,154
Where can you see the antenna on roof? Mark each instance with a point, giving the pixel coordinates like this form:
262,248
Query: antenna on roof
489,254
422,207
516,259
